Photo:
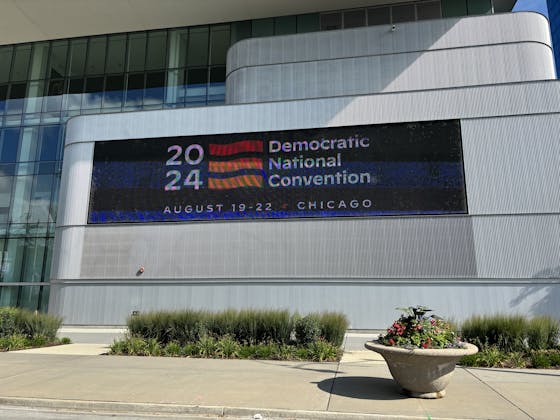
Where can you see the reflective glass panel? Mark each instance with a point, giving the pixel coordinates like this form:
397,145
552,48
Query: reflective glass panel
197,53
39,59
308,23
135,90
240,30
114,91
5,63
116,48
219,44
155,82
330,21
20,65
263,27
77,56
354,18
136,52
95,63
58,57
428,10
285,25
178,41
403,13
157,46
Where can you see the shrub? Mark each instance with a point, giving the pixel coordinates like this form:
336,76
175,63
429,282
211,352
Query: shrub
172,349
255,334
540,360
321,350
7,321
191,350
307,329
543,333
333,327
554,357
507,332
15,342
207,346
227,347
34,324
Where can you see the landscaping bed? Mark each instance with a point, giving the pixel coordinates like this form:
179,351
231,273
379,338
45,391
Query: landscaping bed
21,329
513,341
247,334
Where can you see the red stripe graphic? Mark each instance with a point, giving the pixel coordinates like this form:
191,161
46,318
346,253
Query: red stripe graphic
235,165
237,147
233,182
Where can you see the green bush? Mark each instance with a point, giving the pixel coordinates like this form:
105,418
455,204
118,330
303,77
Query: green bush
8,325
227,347
308,329
251,333
33,324
333,327
507,332
172,349
38,329
540,360
13,342
321,351
543,333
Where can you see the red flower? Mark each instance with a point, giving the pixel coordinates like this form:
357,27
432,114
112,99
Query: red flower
391,342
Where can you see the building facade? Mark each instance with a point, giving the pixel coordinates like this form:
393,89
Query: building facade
554,18
380,66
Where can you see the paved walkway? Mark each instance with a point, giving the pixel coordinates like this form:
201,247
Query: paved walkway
359,387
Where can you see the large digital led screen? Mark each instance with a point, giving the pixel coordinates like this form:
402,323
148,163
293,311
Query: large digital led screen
369,170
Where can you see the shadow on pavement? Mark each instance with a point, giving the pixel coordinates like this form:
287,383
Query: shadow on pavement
362,387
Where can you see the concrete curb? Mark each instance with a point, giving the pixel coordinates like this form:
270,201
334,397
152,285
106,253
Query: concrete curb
178,409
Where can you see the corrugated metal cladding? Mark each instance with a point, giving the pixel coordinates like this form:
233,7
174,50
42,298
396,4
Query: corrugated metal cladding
504,256
421,55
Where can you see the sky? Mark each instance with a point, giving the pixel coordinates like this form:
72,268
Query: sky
534,5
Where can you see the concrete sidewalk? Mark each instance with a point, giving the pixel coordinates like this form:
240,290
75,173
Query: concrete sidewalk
359,387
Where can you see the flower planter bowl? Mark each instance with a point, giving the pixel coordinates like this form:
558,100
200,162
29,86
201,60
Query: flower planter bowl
422,373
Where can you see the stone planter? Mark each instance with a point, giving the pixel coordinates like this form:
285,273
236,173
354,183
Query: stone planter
422,373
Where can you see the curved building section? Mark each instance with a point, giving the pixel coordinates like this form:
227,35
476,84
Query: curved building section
410,56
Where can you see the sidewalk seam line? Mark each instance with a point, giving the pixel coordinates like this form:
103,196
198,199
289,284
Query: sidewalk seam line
499,393
332,385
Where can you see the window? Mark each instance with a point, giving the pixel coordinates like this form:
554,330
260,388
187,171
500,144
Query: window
428,10
331,21
403,13
354,18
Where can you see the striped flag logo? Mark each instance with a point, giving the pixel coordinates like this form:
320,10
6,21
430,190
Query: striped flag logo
236,165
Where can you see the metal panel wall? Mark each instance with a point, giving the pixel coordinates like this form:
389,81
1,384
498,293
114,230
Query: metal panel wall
419,55
502,257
